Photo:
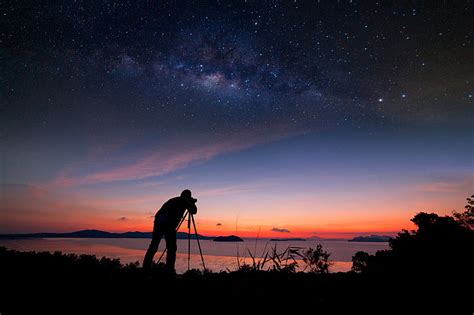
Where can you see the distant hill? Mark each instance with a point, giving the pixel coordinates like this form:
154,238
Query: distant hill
371,238
286,239
98,234
230,238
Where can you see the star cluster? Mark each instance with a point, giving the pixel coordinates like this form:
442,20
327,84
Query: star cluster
218,68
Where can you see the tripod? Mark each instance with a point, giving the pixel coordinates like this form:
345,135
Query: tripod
190,219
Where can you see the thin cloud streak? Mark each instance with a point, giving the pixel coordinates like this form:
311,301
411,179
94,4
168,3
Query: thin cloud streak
235,189
161,162
280,230
448,185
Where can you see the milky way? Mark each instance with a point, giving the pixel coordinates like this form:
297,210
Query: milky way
222,70
237,64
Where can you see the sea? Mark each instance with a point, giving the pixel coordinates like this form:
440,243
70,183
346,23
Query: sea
218,256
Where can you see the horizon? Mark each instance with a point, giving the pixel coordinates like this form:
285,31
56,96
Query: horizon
285,120
313,237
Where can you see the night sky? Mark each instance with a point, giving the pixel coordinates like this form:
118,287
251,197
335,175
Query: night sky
285,117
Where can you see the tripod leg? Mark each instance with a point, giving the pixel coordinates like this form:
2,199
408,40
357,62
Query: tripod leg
199,244
161,256
179,225
189,238
181,222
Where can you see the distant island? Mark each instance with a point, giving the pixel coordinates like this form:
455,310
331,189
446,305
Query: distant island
286,239
230,238
371,238
98,234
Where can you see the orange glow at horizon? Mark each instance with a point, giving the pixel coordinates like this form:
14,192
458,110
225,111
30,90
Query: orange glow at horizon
235,210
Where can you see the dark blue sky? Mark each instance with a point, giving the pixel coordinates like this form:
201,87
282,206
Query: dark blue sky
265,103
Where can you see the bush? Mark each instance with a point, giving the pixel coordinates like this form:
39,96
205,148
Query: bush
439,245
316,260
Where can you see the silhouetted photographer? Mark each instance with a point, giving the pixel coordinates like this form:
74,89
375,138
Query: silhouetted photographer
166,222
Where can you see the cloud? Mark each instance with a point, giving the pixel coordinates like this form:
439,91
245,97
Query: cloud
159,162
219,224
234,189
156,163
439,187
280,230
123,219
448,185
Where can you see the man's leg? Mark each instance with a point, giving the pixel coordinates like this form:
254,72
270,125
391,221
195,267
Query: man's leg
170,238
152,249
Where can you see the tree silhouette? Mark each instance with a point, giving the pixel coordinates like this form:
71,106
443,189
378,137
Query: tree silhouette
316,260
441,244
359,261
466,218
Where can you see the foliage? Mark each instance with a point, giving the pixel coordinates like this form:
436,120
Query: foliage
288,261
359,261
466,218
441,244
316,260
271,261
435,261
284,261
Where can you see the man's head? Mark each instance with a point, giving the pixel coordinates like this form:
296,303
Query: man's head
187,194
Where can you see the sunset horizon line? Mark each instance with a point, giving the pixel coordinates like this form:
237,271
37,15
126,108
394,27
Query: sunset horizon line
212,233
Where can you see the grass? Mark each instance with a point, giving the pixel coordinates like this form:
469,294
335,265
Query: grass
56,283
290,260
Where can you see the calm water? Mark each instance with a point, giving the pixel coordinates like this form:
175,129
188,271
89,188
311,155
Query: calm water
217,256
